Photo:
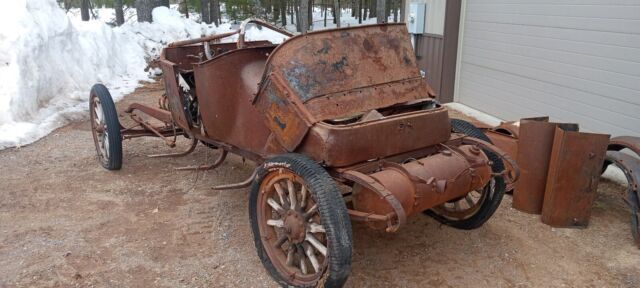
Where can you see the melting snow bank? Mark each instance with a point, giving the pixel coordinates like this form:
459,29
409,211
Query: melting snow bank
48,62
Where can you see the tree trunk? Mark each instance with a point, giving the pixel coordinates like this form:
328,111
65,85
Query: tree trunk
204,11
395,10
283,12
84,10
183,7
372,8
325,16
292,8
117,4
310,15
213,12
360,11
337,12
380,11
145,7
304,16
403,17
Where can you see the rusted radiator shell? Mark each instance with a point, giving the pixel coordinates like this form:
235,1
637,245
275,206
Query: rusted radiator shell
425,183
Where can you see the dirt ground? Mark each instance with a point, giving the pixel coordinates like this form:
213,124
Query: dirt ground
65,221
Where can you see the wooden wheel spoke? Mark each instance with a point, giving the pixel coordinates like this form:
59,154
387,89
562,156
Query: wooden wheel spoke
290,254
280,192
281,241
308,250
275,223
316,244
456,206
303,202
292,194
275,206
303,264
316,228
469,201
311,211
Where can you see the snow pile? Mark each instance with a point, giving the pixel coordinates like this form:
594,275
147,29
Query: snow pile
48,62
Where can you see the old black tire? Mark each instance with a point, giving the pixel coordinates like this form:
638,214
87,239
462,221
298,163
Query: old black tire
332,213
105,127
496,187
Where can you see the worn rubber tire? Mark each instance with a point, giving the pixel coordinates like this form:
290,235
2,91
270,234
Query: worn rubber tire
113,126
332,210
491,204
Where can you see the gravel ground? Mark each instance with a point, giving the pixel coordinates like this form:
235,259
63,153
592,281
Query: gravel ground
65,221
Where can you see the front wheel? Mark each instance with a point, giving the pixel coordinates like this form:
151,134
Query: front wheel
300,223
105,128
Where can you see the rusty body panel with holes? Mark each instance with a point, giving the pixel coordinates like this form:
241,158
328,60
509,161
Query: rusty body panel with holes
574,173
349,104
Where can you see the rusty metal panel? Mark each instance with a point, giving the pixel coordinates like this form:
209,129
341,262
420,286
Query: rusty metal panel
572,182
342,145
225,86
283,114
330,63
534,151
364,99
507,143
348,71
170,77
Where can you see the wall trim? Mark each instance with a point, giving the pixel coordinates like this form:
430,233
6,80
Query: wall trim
463,17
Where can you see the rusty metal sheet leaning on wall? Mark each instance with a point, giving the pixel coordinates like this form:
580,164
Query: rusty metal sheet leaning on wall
572,181
534,151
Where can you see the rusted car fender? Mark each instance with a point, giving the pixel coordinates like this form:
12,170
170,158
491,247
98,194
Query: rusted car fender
631,168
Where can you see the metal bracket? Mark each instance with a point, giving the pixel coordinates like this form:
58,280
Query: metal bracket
373,185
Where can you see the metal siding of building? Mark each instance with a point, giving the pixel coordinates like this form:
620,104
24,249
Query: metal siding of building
574,60
430,49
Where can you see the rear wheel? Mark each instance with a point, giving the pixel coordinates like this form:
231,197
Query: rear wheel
105,128
300,224
474,209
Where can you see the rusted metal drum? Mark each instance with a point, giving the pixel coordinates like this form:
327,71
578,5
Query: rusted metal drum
424,183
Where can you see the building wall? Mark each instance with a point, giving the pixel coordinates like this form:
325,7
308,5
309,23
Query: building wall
574,60
434,22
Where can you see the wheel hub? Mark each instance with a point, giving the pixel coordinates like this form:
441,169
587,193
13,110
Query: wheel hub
294,226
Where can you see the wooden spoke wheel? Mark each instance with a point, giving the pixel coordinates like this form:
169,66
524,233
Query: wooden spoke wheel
105,128
300,223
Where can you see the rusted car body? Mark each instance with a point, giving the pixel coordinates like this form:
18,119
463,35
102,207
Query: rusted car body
350,103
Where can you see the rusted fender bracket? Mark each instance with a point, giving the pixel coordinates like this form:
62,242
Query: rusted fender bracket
511,174
214,165
376,187
162,115
631,168
243,184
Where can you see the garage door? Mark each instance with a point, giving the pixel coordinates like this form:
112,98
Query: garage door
574,60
